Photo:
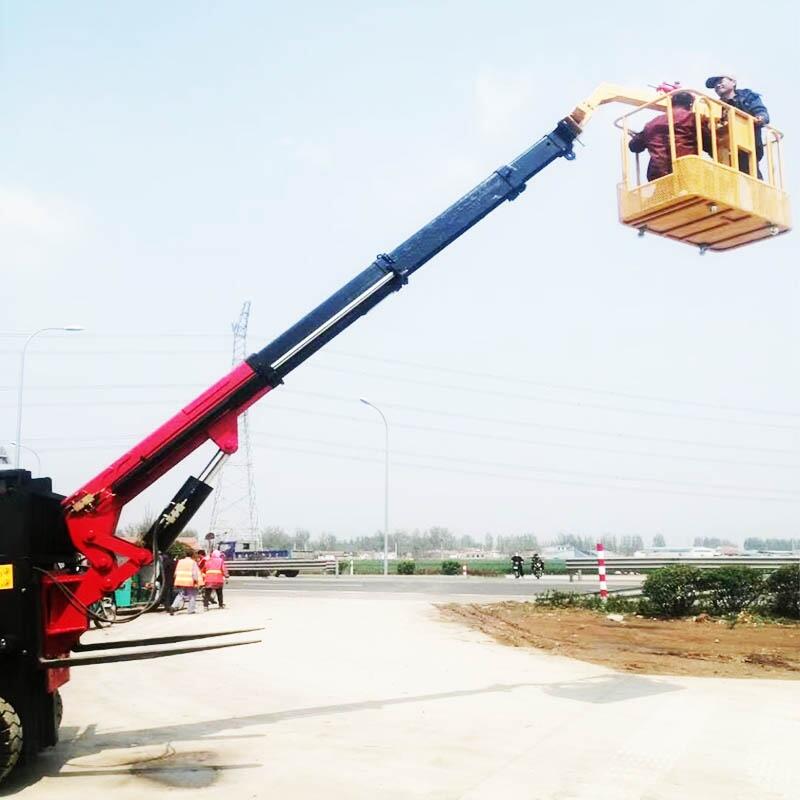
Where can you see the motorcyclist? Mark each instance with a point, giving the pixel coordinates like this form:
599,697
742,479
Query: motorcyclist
537,565
517,565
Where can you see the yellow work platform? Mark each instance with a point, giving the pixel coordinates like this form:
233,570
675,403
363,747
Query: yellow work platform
713,199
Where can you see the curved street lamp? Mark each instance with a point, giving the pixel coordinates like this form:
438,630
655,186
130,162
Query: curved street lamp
386,488
69,328
31,450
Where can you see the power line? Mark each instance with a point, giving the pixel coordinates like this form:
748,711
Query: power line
587,448
527,479
326,395
572,429
277,406
529,424
506,465
445,369
503,476
107,441
60,352
138,335
530,468
548,401
492,393
77,387
565,387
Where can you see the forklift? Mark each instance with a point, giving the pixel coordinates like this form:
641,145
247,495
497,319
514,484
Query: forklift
60,555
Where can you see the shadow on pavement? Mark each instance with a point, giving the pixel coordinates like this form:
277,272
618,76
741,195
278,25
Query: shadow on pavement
172,768
610,688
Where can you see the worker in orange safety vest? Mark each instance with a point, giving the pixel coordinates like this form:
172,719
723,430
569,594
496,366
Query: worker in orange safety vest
187,579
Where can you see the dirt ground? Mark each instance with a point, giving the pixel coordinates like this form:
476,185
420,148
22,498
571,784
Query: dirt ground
698,646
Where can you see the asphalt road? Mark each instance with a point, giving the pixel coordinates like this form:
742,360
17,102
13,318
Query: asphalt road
437,587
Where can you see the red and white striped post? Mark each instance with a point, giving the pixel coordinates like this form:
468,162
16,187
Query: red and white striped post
601,571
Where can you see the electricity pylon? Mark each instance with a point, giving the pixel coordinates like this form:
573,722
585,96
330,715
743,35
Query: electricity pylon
235,514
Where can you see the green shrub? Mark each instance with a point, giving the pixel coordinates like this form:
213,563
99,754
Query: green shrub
180,550
429,566
783,587
451,568
732,589
672,591
590,602
556,599
621,605
406,567
646,608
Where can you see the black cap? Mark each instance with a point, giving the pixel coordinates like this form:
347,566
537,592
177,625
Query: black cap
712,81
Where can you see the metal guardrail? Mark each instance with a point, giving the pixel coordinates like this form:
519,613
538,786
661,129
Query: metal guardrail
589,565
286,566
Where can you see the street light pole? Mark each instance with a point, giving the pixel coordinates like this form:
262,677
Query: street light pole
385,488
22,380
31,450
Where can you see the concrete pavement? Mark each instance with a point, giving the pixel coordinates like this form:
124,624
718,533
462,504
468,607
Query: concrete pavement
375,696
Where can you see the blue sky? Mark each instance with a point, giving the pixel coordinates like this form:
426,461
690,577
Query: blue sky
165,162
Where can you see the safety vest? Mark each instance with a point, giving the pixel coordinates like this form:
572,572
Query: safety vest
215,574
185,572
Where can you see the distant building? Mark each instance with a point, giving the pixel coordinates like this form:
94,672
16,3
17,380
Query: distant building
191,541
468,553
678,552
375,555
561,552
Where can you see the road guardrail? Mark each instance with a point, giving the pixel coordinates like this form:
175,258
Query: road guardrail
589,565
290,567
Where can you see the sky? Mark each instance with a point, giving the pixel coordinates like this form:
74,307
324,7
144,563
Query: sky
550,372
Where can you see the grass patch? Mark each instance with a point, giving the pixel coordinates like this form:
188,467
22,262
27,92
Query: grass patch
432,566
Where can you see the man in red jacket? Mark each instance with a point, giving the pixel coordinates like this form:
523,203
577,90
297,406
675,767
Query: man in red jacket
216,572
655,136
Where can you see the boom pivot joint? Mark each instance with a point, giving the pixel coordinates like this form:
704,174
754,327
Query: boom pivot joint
388,264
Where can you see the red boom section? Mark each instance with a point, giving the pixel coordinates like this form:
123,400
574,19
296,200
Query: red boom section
92,513
213,415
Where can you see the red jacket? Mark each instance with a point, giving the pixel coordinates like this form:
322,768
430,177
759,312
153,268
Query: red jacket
655,139
215,572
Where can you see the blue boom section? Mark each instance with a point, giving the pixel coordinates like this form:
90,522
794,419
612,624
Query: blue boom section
390,271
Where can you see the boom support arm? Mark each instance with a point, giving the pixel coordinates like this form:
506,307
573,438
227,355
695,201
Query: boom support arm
213,415
92,512
612,93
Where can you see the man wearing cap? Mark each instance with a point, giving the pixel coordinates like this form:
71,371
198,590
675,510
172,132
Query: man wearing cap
745,100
